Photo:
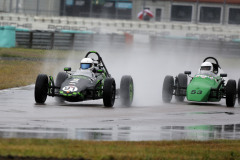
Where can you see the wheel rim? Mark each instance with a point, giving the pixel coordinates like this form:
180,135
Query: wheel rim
167,91
113,94
131,92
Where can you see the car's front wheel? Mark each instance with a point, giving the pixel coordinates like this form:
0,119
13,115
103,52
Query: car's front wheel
41,88
109,92
126,90
167,90
231,93
181,82
238,91
61,77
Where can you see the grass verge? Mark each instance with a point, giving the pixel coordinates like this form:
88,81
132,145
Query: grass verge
31,53
18,73
20,67
119,150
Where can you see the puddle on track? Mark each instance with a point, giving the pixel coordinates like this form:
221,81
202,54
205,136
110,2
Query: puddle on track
227,113
125,133
52,121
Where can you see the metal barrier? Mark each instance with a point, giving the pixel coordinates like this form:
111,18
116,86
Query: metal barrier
111,26
68,41
222,46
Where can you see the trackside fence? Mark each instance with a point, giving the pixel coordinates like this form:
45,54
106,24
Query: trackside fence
68,41
80,41
170,42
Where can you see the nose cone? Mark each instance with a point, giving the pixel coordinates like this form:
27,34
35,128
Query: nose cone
199,89
76,84
199,93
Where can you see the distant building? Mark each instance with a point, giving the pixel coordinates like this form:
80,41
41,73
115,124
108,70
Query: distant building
188,11
31,7
193,11
114,9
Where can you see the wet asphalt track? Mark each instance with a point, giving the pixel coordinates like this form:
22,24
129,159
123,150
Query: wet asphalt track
21,117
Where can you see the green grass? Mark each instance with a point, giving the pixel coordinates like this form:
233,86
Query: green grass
10,56
16,73
20,67
121,150
35,53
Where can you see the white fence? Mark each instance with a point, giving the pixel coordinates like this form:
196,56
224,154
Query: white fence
169,30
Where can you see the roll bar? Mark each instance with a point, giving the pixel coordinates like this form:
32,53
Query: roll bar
216,61
99,60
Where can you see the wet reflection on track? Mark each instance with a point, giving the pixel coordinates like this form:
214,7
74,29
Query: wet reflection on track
35,132
202,132
199,132
20,117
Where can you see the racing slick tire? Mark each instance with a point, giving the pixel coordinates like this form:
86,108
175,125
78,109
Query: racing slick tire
167,90
238,91
231,93
61,77
109,92
41,88
182,82
126,90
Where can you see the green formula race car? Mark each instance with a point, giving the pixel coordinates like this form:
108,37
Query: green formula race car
92,81
208,85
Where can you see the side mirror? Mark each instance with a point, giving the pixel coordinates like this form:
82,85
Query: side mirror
187,72
100,71
223,75
67,69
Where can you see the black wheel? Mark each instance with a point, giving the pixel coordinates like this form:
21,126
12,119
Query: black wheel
231,93
167,90
181,82
41,88
61,77
126,90
238,91
109,92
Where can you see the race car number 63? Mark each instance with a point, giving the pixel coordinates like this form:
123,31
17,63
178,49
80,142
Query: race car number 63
196,92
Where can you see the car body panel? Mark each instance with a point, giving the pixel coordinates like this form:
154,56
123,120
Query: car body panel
200,88
81,87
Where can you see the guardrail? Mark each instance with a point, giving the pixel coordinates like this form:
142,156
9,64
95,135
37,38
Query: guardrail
73,23
68,41
222,47
106,31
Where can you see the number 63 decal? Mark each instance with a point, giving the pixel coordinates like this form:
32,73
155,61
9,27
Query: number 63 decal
196,92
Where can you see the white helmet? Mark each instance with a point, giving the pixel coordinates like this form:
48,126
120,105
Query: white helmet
206,66
86,63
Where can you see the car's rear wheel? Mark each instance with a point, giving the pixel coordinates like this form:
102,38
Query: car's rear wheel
167,90
182,82
41,88
231,93
238,91
126,90
109,92
61,77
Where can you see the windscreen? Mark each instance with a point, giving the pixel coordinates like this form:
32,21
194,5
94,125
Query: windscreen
87,73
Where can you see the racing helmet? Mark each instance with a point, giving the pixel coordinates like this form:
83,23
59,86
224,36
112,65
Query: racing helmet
206,66
86,63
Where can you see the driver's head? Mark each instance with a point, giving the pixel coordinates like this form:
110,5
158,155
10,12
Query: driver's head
206,66
86,63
